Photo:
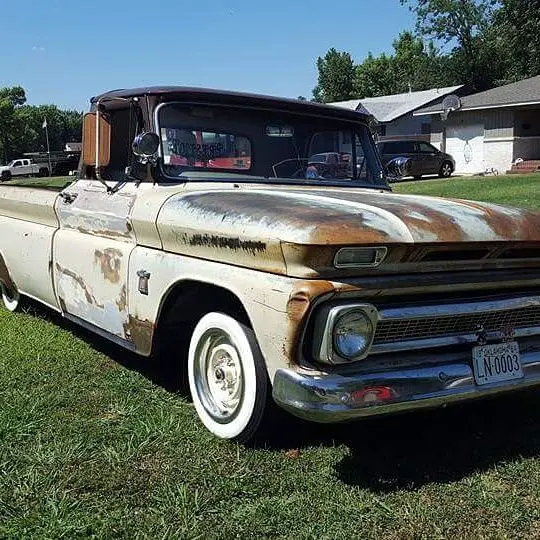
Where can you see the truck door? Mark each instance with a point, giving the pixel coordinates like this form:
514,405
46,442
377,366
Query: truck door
92,248
91,254
26,168
17,168
429,158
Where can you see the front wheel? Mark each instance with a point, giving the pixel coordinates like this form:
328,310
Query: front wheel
446,170
227,377
6,175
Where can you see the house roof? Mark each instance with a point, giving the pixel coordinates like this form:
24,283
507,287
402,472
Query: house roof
388,108
526,92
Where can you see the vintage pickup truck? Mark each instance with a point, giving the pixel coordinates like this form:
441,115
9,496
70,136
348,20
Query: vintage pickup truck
198,220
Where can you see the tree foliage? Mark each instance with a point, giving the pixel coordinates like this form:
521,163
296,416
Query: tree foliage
336,77
21,128
413,66
10,98
461,25
478,43
517,31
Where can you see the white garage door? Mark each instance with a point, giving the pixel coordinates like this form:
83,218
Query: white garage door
466,145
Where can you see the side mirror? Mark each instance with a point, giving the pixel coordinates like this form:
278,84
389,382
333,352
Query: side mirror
145,145
398,167
89,140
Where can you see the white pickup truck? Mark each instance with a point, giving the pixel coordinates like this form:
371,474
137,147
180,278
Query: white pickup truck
205,228
23,167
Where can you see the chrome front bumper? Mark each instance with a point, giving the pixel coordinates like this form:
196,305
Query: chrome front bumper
335,398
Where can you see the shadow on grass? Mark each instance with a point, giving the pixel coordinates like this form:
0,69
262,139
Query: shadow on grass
163,370
407,451
386,454
441,446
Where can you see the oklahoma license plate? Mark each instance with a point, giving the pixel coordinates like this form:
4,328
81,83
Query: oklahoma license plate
494,363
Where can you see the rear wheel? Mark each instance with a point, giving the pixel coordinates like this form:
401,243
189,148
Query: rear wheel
10,299
446,170
227,377
43,171
6,175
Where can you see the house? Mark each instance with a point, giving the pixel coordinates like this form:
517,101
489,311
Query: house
491,129
394,114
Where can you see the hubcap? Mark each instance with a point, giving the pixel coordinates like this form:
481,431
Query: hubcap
447,170
218,375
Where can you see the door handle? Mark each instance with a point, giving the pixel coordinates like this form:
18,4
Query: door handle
68,197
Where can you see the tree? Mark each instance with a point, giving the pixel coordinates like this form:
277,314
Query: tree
62,126
10,99
461,25
21,128
516,30
375,76
336,77
418,65
413,66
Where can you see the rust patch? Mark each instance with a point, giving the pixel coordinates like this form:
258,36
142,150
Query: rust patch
101,232
141,333
80,281
224,242
525,226
298,306
5,278
110,260
121,302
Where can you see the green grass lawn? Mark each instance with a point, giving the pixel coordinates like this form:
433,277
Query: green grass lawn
55,182
516,190
95,443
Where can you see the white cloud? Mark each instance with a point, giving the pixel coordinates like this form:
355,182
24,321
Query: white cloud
39,48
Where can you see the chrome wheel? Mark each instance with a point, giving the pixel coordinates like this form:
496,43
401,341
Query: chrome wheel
218,375
446,170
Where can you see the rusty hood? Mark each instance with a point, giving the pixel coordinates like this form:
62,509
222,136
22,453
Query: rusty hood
252,223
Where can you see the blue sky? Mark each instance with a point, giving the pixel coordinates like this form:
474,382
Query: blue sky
63,52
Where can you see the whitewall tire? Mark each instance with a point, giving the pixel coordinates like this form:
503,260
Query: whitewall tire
227,377
11,301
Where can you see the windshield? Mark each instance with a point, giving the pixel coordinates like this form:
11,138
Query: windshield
267,144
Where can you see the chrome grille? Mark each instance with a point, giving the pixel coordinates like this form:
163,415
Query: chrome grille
397,330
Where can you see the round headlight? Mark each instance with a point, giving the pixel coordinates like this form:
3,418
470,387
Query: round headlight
353,333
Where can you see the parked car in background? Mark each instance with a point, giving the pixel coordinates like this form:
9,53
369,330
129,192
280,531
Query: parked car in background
423,157
23,167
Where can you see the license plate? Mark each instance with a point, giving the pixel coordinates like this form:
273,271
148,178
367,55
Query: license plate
495,363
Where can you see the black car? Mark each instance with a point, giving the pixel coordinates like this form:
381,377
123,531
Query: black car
423,157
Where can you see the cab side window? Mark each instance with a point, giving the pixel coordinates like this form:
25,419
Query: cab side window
426,148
